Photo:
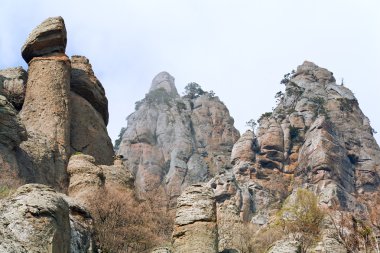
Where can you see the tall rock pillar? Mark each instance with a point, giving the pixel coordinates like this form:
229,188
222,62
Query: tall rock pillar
47,103
195,229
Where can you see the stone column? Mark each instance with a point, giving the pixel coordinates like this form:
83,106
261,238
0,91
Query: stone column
195,229
46,109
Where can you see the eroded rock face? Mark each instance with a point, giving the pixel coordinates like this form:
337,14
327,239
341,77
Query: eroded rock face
45,115
12,85
176,141
12,130
88,132
317,138
85,84
47,38
35,219
12,133
38,219
86,178
195,224
164,81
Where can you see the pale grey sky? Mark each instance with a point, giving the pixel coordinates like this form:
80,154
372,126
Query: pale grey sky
240,49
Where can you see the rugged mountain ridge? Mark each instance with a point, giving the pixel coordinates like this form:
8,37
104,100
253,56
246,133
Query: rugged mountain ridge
231,193
316,138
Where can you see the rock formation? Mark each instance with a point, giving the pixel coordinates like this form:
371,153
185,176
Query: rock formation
37,219
64,110
89,113
12,133
86,178
316,138
195,223
12,85
176,141
46,39
229,190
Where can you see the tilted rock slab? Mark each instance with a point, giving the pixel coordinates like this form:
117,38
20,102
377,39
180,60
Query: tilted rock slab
195,223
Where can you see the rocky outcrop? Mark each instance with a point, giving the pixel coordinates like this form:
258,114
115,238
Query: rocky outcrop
46,39
34,219
12,85
89,113
195,223
12,133
65,108
88,133
164,80
85,84
176,141
38,219
87,178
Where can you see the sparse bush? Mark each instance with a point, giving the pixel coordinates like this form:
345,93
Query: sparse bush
155,97
302,218
356,235
125,224
279,96
347,105
5,191
265,115
287,77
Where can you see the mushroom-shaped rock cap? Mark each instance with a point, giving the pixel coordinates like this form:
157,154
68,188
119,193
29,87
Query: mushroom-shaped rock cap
49,37
165,81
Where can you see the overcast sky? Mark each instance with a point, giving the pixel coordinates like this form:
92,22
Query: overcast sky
239,49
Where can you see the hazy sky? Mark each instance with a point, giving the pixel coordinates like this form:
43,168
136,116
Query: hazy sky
240,49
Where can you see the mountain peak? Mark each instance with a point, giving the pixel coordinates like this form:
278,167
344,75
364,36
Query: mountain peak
164,80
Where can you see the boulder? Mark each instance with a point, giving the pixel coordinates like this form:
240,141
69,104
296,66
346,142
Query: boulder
47,38
35,219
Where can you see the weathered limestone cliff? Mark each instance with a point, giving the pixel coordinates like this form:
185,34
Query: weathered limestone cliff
176,141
